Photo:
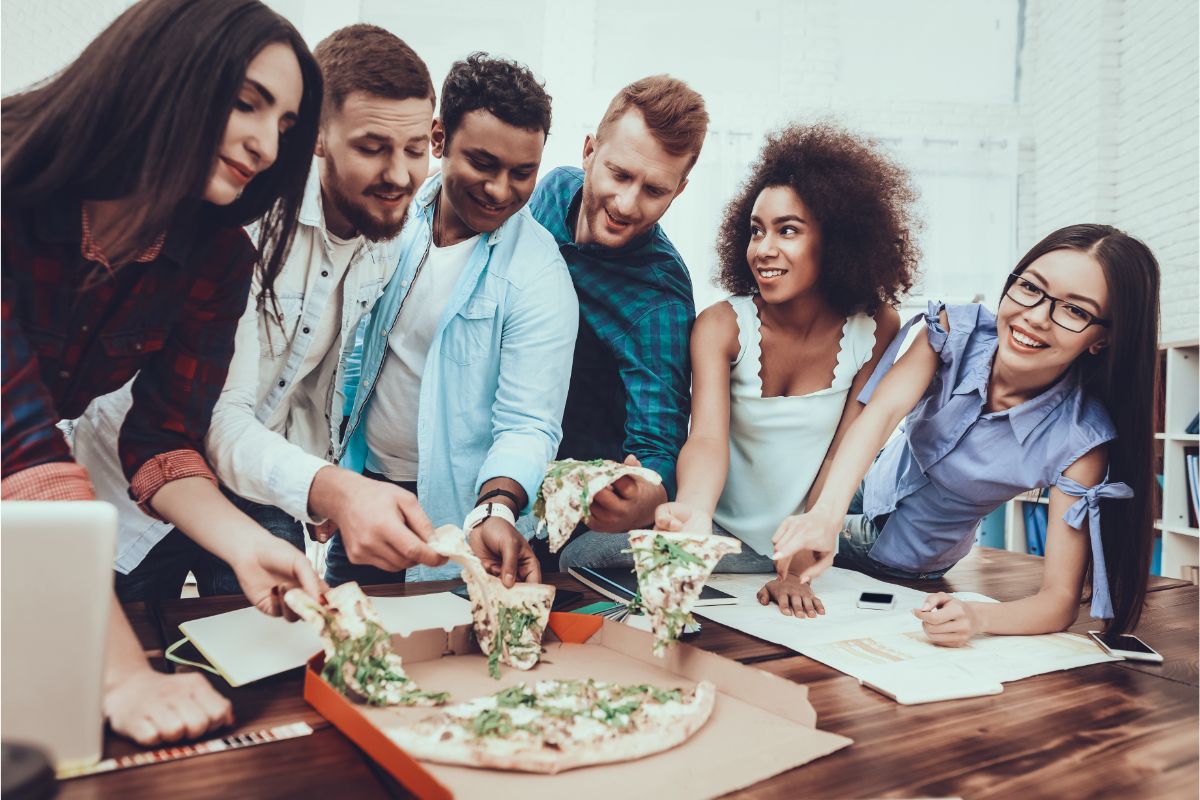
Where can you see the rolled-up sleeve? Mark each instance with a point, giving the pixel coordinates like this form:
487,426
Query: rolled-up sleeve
162,438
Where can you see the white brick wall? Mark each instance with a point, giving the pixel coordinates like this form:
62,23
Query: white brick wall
1110,94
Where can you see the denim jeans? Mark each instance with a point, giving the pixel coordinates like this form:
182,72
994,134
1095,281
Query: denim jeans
858,536
597,550
162,572
339,569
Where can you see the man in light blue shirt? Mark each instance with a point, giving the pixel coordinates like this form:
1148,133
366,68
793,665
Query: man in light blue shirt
466,358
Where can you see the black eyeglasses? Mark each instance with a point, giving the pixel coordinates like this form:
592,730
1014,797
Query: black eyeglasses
1063,313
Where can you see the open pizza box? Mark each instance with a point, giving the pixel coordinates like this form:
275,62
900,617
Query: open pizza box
761,725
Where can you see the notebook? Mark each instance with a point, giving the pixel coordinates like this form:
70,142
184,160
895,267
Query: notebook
246,645
617,583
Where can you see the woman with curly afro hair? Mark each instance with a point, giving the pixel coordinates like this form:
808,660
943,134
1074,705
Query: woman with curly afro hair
816,248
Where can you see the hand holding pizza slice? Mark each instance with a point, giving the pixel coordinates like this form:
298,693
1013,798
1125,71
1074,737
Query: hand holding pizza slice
566,493
359,661
509,622
671,571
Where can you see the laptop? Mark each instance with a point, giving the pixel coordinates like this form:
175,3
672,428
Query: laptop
55,593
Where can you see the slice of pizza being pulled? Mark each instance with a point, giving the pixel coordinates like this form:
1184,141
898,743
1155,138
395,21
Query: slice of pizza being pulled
565,496
559,725
509,623
359,660
671,571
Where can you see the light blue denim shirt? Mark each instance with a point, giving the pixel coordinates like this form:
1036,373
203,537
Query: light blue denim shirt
497,372
955,462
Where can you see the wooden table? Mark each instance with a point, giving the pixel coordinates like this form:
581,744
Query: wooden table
1119,729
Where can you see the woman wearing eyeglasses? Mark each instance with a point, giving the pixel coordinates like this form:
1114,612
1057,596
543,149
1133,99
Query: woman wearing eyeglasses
1055,389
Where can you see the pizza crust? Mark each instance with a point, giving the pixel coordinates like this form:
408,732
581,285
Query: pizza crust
497,610
568,488
432,740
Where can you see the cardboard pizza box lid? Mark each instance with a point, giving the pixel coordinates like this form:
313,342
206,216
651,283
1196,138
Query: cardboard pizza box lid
762,724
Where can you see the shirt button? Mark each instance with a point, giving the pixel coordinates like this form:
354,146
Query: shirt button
84,328
306,330
137,346
282,384
64,374
324,273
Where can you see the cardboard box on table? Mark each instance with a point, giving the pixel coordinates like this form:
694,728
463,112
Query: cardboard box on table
761,724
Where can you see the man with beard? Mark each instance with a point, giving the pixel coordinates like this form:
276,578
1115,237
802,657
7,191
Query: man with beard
275,429
630,383
467,356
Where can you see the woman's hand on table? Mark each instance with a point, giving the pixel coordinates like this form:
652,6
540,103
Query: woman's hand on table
151,707
792,597
948,621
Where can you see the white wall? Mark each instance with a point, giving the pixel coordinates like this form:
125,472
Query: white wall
1112,95
1011,126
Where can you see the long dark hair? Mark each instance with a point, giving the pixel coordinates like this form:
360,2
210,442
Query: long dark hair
141,113
1124,377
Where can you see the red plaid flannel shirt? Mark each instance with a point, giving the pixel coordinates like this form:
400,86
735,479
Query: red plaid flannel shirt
170,321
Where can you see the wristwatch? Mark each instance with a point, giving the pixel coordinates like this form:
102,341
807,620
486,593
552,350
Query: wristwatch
481,512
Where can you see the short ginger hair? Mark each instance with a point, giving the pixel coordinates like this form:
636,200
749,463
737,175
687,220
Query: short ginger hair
673,112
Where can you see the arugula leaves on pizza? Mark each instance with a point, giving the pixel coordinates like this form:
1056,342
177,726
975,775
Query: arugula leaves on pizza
566,493
671,571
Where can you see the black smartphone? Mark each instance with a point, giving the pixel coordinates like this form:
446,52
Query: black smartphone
1126,646
876,601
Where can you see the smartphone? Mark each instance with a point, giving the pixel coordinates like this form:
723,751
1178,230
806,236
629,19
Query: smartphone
876,601
1128,647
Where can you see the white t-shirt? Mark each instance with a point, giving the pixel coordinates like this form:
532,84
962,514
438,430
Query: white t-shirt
392,419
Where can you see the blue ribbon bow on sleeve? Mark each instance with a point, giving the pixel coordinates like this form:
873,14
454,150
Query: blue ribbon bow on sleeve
1088,507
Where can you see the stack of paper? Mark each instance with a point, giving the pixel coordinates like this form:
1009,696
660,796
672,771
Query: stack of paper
887,650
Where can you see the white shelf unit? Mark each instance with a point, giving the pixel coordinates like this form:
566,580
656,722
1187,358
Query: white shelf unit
1180,542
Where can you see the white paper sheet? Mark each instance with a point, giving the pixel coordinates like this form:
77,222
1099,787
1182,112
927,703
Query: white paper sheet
887,649
247,645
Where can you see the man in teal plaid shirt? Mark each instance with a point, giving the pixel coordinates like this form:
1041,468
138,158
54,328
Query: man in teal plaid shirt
630,382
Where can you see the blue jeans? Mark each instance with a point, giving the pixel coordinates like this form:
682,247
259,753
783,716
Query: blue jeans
598,550
338,567
162,572
858,536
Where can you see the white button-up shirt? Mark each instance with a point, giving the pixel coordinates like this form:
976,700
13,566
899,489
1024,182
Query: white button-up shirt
277,420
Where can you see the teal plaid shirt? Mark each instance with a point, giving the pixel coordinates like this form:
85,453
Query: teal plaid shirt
631,381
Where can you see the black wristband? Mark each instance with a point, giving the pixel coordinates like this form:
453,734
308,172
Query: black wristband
501,493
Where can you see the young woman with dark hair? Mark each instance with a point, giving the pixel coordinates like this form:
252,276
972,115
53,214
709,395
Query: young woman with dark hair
1055,389
816,248
126,180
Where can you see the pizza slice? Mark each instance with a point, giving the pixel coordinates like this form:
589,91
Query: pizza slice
509,623
359,661
553,726
671,571
565,496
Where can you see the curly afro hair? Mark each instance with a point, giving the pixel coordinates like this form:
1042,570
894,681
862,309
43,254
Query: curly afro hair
861,202
503,88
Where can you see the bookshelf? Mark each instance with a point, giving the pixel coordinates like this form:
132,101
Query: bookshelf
1181,389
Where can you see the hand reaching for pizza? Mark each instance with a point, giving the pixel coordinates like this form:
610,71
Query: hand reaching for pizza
151,707
627,504
381,524
676,517
266,567
792,597
504,552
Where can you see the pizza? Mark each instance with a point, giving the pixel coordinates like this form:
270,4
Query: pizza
565,496
509,623
671,571
553,726
359,660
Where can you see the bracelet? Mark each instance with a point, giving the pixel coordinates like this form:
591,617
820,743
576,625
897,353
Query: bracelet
480,513
501,493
